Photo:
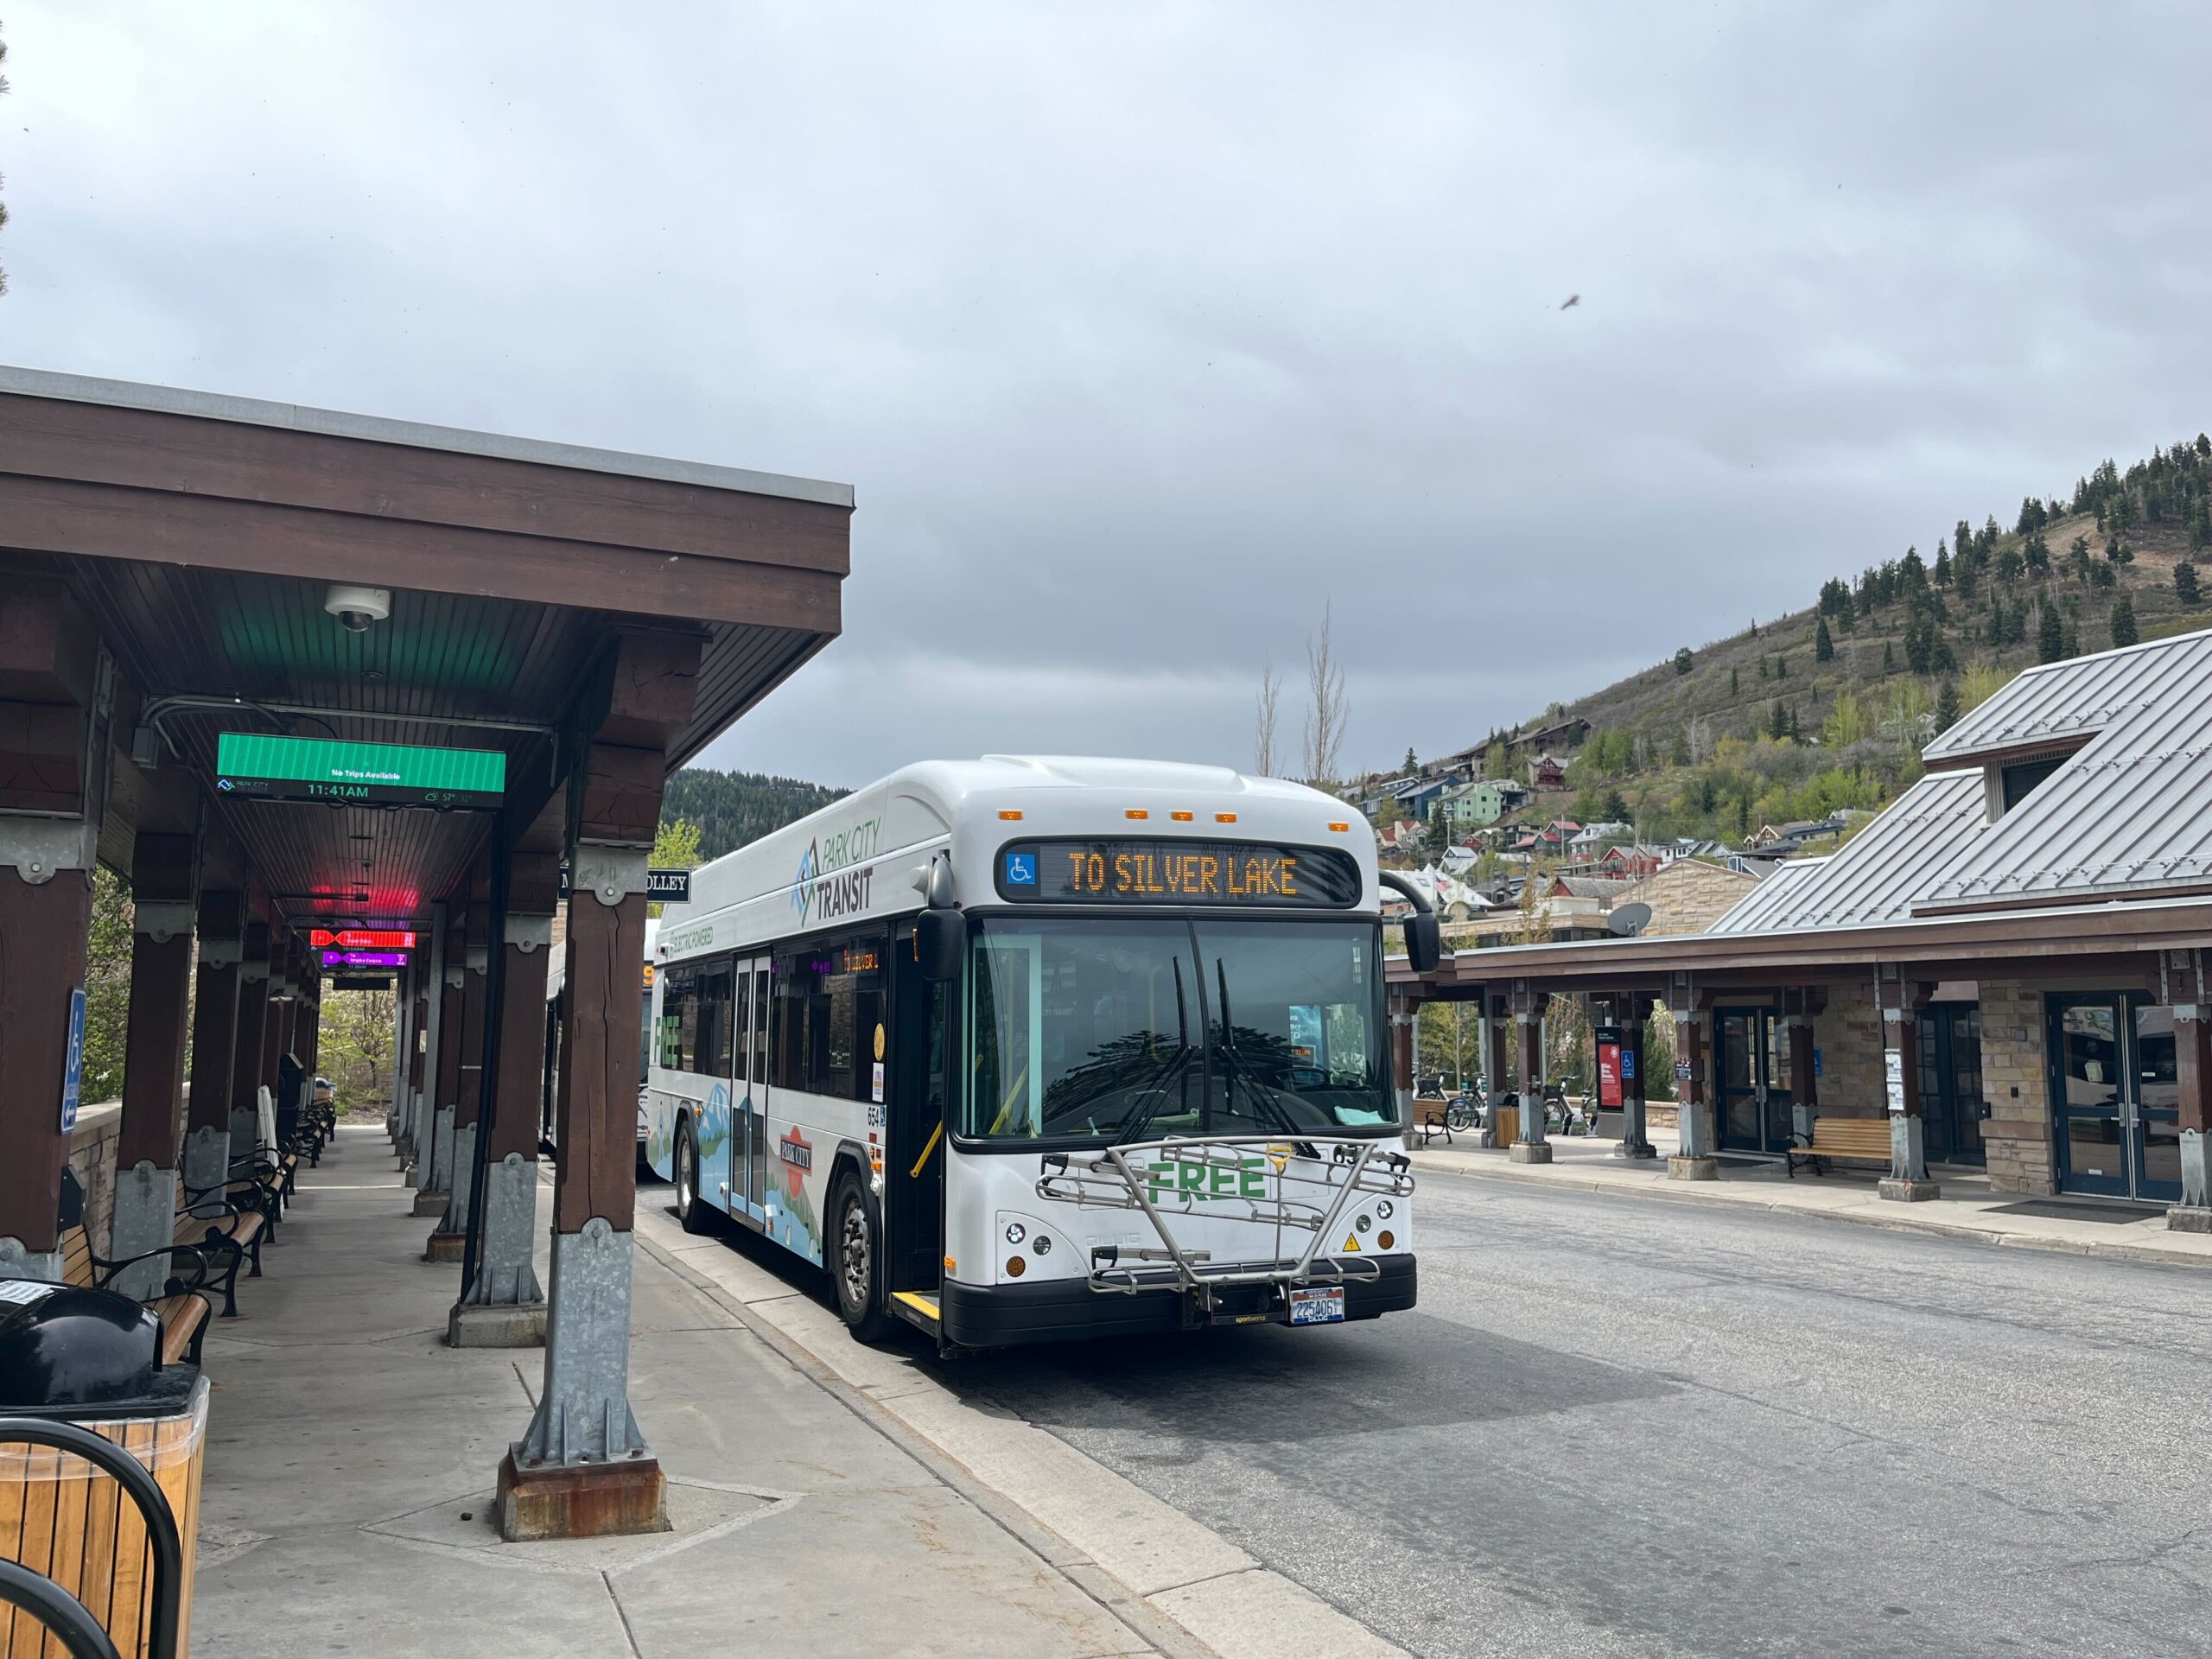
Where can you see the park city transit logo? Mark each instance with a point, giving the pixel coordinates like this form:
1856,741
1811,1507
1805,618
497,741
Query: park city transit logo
833,876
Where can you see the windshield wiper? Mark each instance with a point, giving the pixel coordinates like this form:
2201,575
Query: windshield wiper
1169,1069
1238,1068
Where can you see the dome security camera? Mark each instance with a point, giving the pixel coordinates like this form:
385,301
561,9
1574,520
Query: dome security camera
358,608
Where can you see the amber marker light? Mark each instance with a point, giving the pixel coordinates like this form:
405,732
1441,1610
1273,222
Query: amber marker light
1135,812
1016,1267
1224,818
1340,827
1386,1238
1010,814
1180,818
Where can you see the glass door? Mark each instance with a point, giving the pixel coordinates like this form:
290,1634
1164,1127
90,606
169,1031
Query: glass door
2116,1107
748,1132
1751,1095
1950,1082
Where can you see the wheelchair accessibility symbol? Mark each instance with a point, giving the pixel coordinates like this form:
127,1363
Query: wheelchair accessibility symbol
1021,869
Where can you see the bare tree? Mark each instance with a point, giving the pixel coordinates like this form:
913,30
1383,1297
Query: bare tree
1263,729
1324,720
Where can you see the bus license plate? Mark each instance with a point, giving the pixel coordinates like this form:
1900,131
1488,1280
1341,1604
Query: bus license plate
1317,1304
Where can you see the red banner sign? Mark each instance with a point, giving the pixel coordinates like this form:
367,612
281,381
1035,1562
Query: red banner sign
362,938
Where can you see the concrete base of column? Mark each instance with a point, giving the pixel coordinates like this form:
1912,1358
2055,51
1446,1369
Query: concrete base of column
2189,1218
207,1160
2196,1170
438,1175
17,1262
432,1203
445,1246
145,1219
1692,1169
581,1500
1530,1152
1639,1149
1905,1190
245,1131
485,1324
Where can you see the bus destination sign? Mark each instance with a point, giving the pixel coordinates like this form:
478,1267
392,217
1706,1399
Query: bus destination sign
254,765
1230,875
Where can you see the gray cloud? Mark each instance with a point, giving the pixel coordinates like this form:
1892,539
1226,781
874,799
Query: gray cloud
1144,332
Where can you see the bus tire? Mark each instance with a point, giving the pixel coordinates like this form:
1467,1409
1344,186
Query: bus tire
689,1210
855,1258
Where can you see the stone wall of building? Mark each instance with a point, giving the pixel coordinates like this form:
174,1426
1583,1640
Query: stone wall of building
1688,896
92,1155
2016,1081
1848,1035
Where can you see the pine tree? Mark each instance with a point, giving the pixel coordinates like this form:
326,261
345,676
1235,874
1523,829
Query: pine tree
1780,668
2185,588
1777,725
1889,659
1734,688
1411,766
1683,660
2070,643
2123,621
1947,706
1941,572
2050,640
1824,643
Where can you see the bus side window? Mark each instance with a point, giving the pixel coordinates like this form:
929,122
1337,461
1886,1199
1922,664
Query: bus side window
678,1012
709,1042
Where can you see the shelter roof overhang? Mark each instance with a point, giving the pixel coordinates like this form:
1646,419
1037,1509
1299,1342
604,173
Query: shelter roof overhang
200,534
2125,930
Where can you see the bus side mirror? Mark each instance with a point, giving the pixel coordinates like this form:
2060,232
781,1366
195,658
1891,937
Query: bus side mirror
940,936
1424,941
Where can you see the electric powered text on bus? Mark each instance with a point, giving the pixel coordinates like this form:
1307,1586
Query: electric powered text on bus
1021,1050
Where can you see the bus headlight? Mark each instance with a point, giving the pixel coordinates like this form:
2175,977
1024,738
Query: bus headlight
1015,1232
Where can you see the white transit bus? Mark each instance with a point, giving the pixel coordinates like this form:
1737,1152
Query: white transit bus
1022,1050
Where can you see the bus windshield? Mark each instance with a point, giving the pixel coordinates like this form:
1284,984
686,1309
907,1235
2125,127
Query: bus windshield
1127,1030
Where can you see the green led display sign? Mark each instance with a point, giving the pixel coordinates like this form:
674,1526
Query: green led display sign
256,766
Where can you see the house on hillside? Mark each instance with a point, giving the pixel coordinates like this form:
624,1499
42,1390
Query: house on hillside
1635,860
1545,773
1472,806
1593,838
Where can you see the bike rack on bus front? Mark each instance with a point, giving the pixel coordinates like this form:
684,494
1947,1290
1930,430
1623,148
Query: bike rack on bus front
1107,1181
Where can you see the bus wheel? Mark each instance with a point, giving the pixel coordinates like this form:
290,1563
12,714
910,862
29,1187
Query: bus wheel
856,1258
689,1210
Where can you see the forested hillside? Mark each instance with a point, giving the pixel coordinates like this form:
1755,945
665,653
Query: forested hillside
732,808
1829,707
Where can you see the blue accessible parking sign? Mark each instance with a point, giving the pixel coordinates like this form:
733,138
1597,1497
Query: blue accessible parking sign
73,1070
1021,869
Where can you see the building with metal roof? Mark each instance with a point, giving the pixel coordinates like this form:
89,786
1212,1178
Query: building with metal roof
2007,963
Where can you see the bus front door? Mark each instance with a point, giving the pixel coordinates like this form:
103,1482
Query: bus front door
915,1129
748,1125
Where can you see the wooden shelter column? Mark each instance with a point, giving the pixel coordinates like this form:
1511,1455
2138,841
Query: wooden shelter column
421,975
503,1305
583,1467
55,691
1908,1177
451,1234
246,1040
2193,1090
1631,1013
446,1013
164,882
1404,1013
214,1039
1530,1145
1695,1161
1798,1010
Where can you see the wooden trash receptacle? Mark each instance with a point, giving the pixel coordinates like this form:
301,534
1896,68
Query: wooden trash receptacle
71,1355
64,1518
1506,1122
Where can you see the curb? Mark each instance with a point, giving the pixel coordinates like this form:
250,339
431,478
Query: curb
1171,1582
1687,1193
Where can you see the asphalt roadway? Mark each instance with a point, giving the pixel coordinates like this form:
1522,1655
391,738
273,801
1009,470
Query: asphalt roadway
1619,1426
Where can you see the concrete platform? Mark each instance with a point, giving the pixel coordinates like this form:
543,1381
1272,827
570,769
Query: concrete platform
352,1458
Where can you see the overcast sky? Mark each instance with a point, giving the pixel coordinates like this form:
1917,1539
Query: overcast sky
1144,332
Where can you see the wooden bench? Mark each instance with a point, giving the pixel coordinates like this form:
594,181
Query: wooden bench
183,1309
1848,1140
231,1235
1429,1117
